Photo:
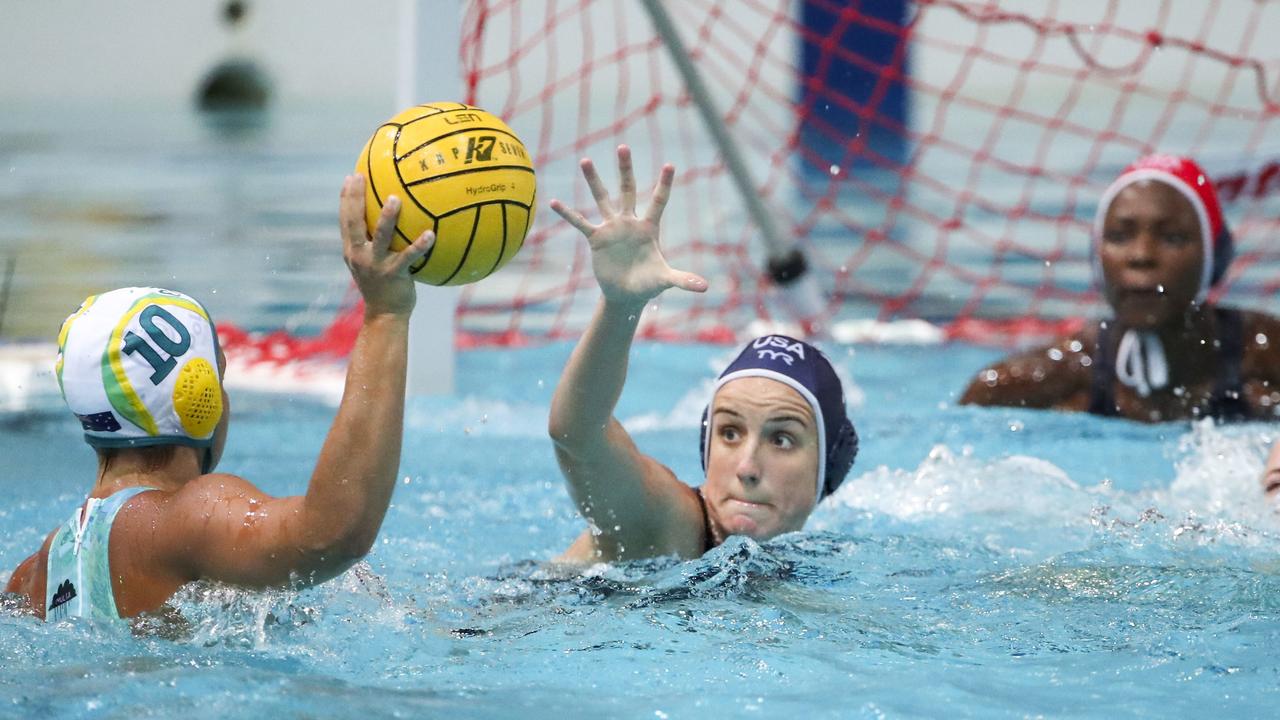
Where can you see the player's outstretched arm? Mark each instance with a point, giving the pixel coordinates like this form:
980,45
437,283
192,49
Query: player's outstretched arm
626,495
235,533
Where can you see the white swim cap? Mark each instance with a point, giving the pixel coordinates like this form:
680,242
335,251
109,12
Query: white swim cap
139,366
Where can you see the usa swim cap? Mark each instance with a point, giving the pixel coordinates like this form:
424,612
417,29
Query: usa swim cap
138,367
1185,176
803,368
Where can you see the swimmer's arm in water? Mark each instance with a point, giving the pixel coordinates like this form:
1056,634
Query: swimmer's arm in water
1054,376
637,505
221,527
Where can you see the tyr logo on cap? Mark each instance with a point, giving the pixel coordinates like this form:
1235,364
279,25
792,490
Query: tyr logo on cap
788,352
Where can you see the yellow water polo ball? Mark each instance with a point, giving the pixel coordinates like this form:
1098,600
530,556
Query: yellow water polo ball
460,172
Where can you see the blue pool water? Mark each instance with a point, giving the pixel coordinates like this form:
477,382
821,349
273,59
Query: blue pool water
977,563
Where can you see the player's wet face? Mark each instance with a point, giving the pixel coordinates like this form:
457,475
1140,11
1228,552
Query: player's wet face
762,462
1151,254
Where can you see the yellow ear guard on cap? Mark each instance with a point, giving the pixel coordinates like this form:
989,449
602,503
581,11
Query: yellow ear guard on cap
197,398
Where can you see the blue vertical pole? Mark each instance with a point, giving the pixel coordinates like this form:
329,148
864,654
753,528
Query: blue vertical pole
853,100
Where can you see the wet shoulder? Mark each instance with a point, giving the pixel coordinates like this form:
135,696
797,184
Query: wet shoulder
1261,331
1055,374
219,486
173,514
1260,364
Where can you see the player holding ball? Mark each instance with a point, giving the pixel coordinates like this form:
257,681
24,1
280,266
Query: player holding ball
136,367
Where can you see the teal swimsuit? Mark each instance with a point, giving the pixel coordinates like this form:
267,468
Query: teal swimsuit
79,579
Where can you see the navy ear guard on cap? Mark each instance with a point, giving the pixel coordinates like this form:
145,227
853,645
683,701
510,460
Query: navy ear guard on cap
806,370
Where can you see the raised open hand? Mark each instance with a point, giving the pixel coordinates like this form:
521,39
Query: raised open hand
625,253
381,274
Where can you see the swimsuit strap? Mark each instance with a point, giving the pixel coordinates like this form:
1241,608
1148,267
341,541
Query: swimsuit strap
1102,396
78,575
1228,401
707,537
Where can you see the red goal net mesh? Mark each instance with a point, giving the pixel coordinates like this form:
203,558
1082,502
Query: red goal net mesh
941,161
1017,115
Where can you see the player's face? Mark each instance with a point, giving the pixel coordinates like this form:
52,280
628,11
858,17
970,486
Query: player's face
1151,254
762,464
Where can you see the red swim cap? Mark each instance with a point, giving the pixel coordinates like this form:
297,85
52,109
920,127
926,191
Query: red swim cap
1185,176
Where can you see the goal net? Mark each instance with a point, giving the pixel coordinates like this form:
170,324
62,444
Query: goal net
938,160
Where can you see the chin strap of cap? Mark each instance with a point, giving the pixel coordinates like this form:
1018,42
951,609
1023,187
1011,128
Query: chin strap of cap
1141,362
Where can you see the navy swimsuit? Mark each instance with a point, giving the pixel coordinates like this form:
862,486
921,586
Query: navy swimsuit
1227,401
